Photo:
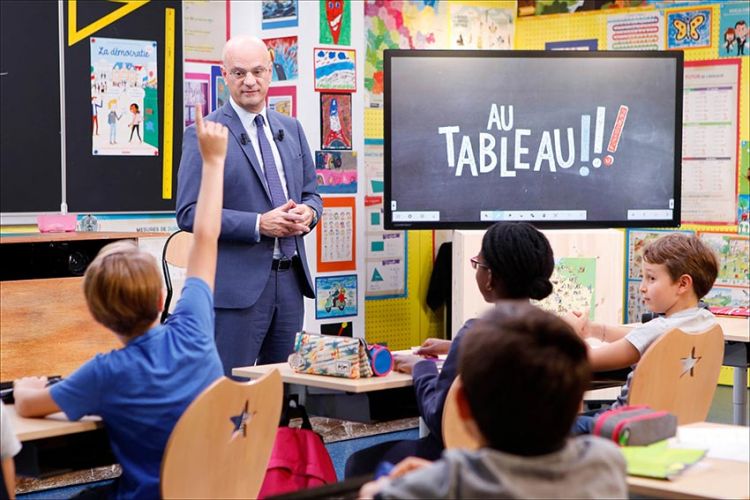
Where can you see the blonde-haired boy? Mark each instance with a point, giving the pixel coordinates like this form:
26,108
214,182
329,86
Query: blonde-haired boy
678,270
142,389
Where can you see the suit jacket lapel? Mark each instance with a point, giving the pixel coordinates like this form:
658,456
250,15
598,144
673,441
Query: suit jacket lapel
283,147
236,128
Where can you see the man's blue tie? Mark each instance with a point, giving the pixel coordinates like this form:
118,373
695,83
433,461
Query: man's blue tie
286,245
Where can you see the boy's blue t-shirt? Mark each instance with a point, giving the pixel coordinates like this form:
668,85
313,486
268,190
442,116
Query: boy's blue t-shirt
142,389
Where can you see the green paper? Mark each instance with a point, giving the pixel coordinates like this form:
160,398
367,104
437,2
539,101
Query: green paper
345,24
659,461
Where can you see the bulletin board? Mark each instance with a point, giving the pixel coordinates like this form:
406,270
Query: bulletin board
710,50
31,149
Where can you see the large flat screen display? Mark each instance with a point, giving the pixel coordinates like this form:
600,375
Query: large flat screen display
559,139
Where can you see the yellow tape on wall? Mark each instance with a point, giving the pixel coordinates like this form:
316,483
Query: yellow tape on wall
167,156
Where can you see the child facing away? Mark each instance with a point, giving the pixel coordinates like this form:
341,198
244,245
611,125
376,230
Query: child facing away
142,389
515,262
522,375
678,270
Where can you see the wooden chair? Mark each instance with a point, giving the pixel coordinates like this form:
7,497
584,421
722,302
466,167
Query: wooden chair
221,445
678,373
455,434
176,250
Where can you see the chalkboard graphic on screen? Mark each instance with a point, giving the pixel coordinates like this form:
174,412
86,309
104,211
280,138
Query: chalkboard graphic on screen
561,139
555,150
124,82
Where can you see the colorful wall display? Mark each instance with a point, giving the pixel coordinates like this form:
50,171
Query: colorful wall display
336,235
279,14
283,52
335,296
283,99
335,22
195,93
124,91
335,70
336,171
689,28
219,89
335,121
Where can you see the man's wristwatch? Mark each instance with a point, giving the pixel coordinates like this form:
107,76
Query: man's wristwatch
315,217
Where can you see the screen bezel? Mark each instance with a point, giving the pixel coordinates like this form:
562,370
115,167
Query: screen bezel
390,54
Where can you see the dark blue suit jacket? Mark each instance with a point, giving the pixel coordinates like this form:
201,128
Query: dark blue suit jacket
244,264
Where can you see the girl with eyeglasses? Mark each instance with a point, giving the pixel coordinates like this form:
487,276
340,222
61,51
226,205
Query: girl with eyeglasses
514,263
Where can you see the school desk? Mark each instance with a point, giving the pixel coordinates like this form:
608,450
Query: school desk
53,445
45,326
393,380
737,337
736,332
709,478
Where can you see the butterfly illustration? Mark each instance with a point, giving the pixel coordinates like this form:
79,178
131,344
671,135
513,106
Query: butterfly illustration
689,28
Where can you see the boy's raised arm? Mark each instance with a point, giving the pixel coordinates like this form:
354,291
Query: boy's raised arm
212,141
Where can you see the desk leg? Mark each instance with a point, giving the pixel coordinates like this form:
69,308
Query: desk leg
739,396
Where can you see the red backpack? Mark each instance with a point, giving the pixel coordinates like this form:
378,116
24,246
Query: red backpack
299,459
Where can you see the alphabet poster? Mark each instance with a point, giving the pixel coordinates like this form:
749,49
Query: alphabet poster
124,103
336,236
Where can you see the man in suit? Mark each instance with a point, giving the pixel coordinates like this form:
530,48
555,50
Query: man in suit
270,203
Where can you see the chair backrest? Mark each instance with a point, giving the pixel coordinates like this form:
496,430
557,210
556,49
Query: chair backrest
175,254
221,445
679,372
455,434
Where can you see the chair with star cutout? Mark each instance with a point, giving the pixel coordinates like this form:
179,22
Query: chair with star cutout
221,445
679,372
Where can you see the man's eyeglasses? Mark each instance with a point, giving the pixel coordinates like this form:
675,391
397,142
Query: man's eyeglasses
475,263
241,74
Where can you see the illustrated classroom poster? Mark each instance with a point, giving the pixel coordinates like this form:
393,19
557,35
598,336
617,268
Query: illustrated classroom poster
336,121
735,19
689,28
335,22
219,89
283,99
335,296
279,14
336,235
710,140
336,172
283,51
335,70
195,93
124,93
574,282
206,29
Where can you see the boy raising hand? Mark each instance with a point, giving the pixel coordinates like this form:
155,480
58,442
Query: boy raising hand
142,389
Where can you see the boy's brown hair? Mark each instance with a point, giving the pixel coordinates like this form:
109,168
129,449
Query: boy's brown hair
524,372
685,254
122,288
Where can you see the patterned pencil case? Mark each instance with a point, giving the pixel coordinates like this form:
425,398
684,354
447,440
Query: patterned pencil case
635,425
344,357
